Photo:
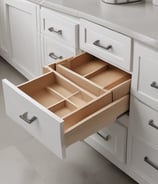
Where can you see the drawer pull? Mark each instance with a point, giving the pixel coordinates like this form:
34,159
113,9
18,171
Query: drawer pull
151,123
54,56
106,138
97,43
154,84
26,119
148,161
51,29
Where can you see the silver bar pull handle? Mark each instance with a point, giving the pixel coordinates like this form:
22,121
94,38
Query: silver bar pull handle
106,138
154,84
148,161
26,119
54,56
97,43
151,123
51,29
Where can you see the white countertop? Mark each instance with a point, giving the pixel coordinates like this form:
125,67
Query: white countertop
137,20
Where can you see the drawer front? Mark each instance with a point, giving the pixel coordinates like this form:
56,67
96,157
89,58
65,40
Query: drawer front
145,80
47,128
53,51
113,140
144,161
144,121
106,44
60,27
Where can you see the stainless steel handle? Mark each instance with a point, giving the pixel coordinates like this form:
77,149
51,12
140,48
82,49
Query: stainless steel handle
97,43
106,138
151,123
148,161
54,56
51,29
154,84
26,119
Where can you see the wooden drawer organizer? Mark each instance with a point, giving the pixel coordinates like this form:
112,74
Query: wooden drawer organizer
76,97
94,75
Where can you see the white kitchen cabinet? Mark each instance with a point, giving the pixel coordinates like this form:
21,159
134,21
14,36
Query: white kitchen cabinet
68,103
3,32
143,125
24,38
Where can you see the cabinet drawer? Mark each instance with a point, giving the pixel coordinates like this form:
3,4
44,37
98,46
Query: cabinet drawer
144,161
106,44
145,76
111,141
58,112
60,27
54,51
144,121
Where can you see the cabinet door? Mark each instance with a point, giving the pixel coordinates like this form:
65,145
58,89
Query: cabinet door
3,35
145,75
23,36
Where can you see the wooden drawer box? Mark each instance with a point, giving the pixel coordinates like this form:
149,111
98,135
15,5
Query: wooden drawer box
106,44
58,111
60,27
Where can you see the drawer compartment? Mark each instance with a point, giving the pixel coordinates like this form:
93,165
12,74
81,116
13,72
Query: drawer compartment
54,51
106,44
60,27
144,161
59,112
145,75
110,141
144,121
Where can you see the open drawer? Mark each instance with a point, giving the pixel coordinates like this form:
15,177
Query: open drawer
74,99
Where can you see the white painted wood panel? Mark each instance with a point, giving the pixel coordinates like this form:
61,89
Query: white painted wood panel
144,161
59,51
48,128
144,74
112,140
144,122
61,27
24,39
96,39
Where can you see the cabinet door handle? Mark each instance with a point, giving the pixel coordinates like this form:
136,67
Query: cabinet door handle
97,43
154,84
106,138
148,161
54,56
26,119
151,123
51,29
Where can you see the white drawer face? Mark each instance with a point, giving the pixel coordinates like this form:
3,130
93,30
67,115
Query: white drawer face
144,161
113,140
53,51
106,44
58,112
144,121
145,80
59,27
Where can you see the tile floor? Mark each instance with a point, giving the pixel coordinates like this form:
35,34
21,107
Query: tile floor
24,160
